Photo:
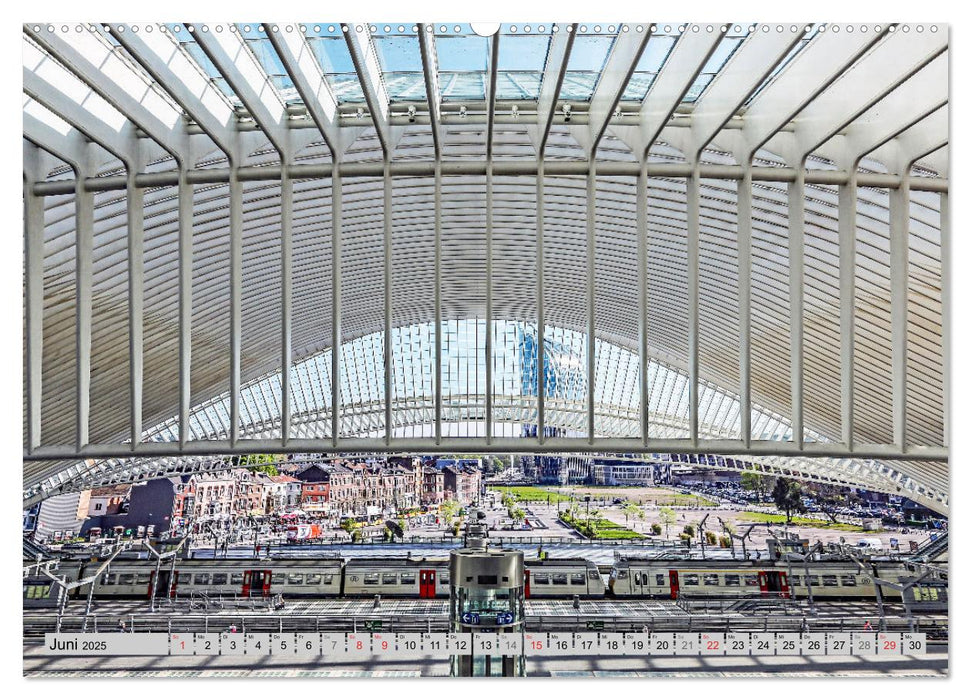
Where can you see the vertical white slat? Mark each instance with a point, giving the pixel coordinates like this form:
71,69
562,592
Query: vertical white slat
388,365
797,217
591,296
34,317
84,223
745,304
286,280
438,301
135,204
693,203
946,311
642,300
337,217
847,248
488,285
185,301
899,247
540,299
235,299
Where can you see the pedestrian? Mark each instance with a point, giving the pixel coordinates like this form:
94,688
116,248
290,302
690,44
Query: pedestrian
121,626
867,627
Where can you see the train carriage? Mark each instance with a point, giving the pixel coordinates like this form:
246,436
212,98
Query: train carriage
562,578
408,577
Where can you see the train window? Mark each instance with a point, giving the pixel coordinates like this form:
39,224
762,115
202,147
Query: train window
236,579
108,580
711,579
202,579
126,579
593,574
370,579
142,579
637,578
389,579
295,579
690,580
847,580
659,578
279,577
578,579
541,578
732,579
812,580
796,579
751,580
219,579
328,579
443,577
829,580
184,578
622,574
408,578
314,579
559,579
37,592
493,580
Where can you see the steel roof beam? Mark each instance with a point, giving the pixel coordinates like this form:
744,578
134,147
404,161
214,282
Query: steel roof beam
557,59
368,69
429,61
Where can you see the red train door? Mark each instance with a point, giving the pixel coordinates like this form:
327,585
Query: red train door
426,583
247,583
267,578
784,585
675,587
256,583
764,582
526,580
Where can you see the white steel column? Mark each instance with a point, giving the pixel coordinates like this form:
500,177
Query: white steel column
235,299
899,247
337,215
388,365
488,300
693,195
185,300
540,310
847,246
643,302
84,227
797,217
34,281
745,306
135,203
591,294
946,311
286,321
438,301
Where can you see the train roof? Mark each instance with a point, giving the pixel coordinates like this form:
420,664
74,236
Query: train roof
395,561
553,562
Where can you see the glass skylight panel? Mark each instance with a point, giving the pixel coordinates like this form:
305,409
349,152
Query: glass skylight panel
803,43
401,68
587,60
183,37
655,55
719,58
334,58
522,61
463,63
268,59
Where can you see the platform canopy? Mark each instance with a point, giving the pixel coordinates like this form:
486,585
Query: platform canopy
665,239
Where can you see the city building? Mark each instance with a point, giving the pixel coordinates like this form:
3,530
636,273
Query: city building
108,500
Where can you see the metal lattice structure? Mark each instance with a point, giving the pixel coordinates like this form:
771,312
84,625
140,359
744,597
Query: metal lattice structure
731,226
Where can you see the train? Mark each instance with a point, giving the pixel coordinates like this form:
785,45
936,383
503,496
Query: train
331,576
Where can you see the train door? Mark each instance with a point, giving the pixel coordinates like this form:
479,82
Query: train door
164,581
773,582
675,587
256,583
426,583
526,583
636,586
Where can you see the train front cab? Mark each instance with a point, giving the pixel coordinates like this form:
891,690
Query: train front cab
256,583
774,584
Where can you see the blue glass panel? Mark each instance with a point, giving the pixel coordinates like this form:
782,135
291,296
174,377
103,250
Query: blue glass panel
462,53
462,86
332,55
398,54
698,87
523,53
519,85
405,86
589,53
655,54
726,47
579,86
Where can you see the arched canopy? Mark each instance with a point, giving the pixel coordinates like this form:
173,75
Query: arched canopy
759,211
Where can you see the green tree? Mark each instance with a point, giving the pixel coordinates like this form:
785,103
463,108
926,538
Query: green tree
631,511
787,495
450,510
668,518
754,481
655,528
689,530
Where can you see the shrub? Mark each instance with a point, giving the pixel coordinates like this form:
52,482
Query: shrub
689,530
725,541
656,529
710,537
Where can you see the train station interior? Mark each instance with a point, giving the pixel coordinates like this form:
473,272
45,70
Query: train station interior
681,244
